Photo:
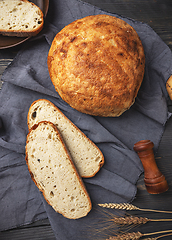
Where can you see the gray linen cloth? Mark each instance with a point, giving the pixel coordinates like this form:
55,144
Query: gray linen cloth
27,79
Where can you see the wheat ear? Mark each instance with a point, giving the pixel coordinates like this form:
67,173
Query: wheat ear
130,220
128,206
136,220
138,235
120,206
127,236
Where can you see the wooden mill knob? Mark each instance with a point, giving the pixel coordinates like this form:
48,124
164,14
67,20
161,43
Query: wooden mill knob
154,180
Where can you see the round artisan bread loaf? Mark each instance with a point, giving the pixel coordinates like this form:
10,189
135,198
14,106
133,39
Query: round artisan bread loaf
97,65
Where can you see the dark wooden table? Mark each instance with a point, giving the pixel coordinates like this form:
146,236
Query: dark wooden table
158,14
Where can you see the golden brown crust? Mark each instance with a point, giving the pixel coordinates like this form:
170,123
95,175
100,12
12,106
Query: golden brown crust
22,33
169,86
97,65
67,153
29,127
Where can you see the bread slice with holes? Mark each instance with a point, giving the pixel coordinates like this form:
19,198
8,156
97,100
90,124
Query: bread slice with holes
54,173
87,157
20,18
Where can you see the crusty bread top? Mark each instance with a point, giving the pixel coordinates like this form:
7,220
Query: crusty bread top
97,65
169,86
86,155
20,18
54,173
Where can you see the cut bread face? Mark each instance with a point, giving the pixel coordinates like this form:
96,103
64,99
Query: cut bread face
54,173
86,156
20,18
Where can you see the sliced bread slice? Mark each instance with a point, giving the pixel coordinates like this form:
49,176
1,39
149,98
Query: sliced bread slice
20,18
87,157
54,173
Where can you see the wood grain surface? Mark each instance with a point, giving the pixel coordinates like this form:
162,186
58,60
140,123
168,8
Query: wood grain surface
158,15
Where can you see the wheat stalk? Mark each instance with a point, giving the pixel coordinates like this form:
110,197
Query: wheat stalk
126,222
128,206
122,224
150,238
138,235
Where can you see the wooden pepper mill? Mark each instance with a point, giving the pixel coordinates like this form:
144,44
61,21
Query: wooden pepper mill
154,180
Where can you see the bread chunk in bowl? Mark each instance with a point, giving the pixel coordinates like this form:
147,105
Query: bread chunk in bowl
20,18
